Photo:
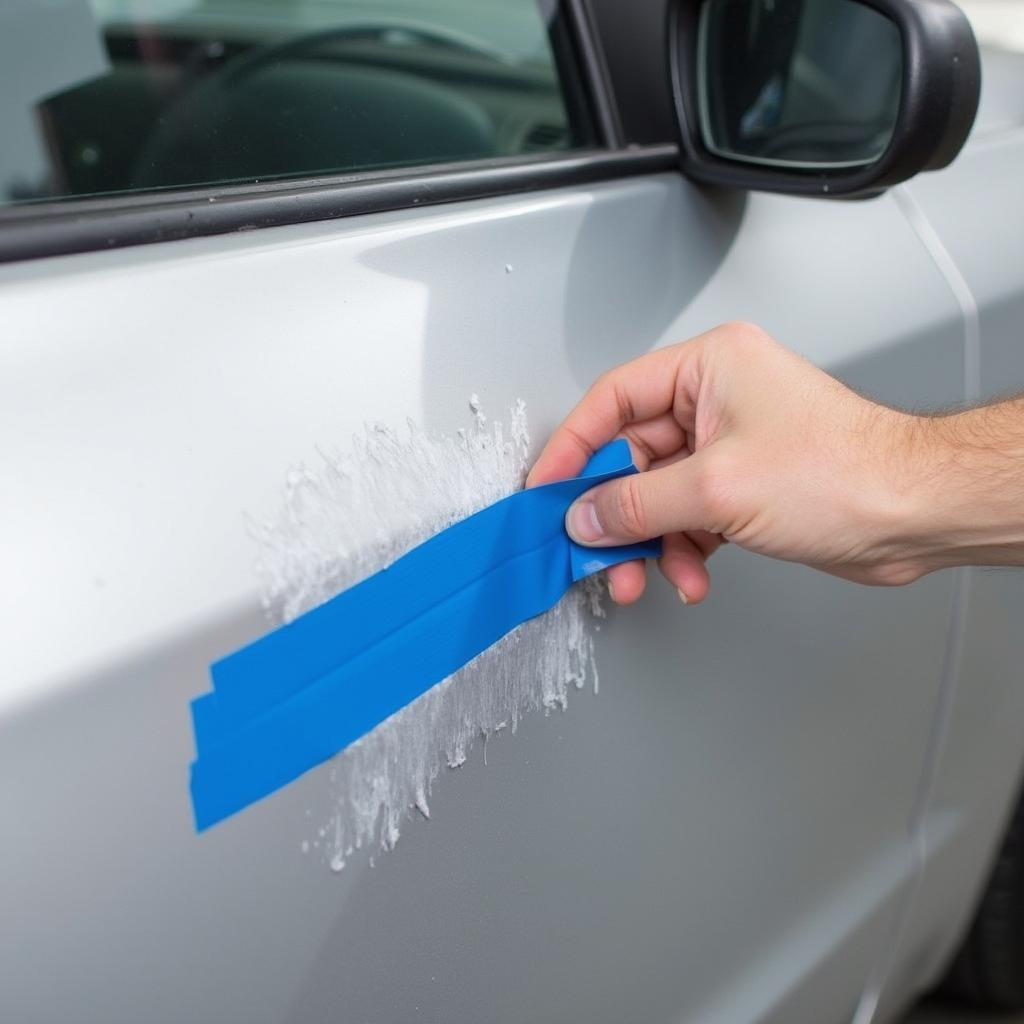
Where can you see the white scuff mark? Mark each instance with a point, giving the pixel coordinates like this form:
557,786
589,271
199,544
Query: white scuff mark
356,513
481,419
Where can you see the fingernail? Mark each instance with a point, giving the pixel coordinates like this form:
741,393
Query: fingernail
682,596
611,590
583,524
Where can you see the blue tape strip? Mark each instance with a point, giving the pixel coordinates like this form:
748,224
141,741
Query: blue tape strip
295,697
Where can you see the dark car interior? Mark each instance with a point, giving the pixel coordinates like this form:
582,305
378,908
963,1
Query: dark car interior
191,102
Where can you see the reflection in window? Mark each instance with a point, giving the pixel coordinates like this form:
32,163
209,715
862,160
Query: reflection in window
103,96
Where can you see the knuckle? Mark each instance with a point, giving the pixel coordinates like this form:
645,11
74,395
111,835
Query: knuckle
609,386
744,336
745,330
577,439
627,512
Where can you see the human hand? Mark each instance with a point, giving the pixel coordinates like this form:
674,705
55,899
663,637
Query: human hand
739,439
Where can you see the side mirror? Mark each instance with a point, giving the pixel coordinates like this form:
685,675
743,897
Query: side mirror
821,97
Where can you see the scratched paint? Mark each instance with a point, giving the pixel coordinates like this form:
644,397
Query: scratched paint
351,514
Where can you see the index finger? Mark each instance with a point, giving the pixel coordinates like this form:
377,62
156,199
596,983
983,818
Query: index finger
636,391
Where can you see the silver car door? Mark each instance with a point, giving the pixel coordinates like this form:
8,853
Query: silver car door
720,833
974,211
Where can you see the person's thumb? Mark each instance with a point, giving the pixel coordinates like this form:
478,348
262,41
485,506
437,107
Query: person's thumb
640,506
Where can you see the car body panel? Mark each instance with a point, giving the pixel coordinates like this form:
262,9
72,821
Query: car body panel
978,775
719,834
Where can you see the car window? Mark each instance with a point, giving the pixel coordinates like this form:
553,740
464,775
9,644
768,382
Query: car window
109,96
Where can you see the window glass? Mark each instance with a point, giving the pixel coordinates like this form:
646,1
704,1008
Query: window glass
106,96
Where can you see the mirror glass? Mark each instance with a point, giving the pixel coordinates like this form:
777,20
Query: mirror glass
801,83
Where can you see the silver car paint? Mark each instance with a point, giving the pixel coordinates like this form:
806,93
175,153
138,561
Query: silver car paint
972,207
723,833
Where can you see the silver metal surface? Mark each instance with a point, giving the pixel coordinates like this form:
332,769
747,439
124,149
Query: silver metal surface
723,833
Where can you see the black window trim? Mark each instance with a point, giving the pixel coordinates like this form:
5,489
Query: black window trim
87,225
65,227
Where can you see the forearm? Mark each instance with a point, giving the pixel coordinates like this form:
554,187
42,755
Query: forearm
964,476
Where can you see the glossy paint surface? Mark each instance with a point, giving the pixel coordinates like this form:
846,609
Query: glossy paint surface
723,833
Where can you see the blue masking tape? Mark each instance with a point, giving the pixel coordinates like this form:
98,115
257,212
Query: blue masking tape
254,679
295,697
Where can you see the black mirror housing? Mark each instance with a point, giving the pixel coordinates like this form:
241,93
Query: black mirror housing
938,100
